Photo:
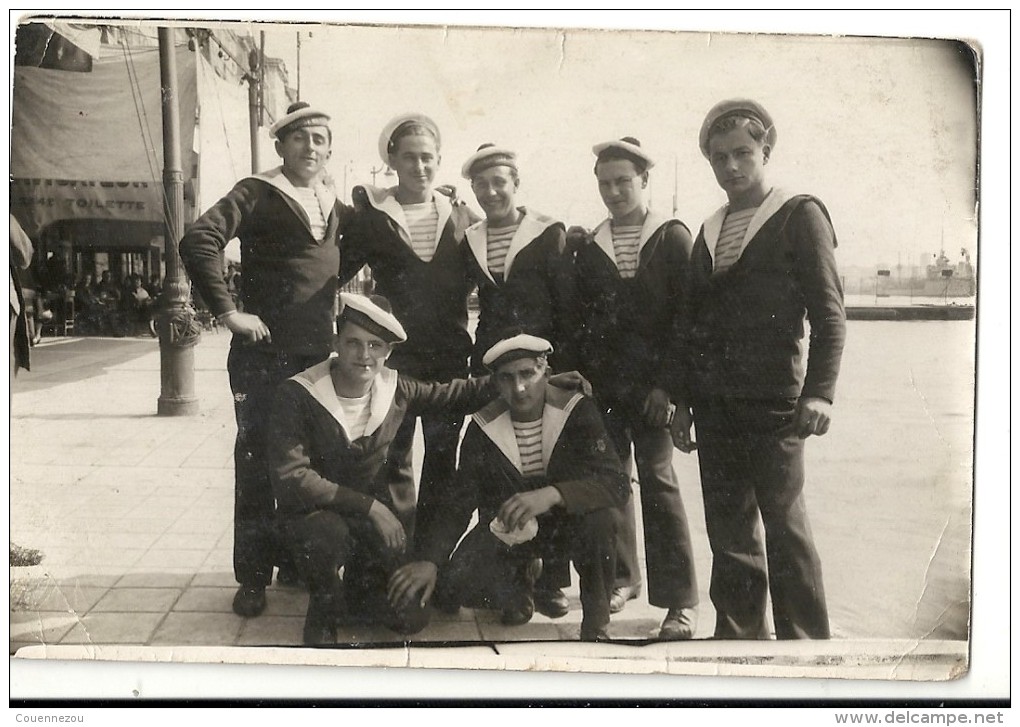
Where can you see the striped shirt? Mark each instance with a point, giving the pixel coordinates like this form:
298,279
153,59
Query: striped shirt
355,413
499,239
310,204
731,238
625,246
422,220
529,444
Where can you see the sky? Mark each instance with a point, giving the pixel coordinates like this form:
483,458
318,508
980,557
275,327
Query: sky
883,130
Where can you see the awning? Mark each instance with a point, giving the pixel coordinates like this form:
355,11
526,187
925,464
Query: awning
42,201
89,145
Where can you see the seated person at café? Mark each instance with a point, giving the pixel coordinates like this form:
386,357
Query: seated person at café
546,479
86,313
137,302
154,287
108,290
85,292
328,438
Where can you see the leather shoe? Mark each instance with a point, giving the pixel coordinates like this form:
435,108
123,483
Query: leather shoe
320,621
679,624
250,601
518,614
522,608
594,634
621,595
551,602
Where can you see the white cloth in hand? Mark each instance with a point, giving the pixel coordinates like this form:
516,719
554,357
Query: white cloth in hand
514,537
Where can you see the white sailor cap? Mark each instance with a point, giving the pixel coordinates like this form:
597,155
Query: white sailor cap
298,114
371,313
522,345
386,137
737,107
626,148
488,155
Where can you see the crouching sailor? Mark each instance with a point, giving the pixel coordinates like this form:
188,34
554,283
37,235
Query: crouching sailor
545,478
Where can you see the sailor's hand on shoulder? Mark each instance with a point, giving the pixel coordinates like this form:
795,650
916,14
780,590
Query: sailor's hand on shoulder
577,237
573,380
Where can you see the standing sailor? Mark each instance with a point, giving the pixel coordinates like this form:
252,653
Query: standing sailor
630,277
516,258
761,264
410,237
289,223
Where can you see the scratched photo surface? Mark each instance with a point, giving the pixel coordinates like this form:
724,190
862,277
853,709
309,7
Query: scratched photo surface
123,520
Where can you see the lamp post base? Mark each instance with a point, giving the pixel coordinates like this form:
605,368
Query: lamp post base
177,407
178,334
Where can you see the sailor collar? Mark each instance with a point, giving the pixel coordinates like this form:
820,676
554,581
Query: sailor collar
773,201
318,382
385,201
277,179
603,234
495,422
531,226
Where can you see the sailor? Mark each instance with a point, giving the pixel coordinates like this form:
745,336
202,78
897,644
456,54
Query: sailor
288,222
761,264
545,477
631,272
410,236
516,257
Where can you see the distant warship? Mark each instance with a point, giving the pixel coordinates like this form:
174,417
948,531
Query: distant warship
942,279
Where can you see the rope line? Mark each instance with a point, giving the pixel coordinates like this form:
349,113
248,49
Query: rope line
143,122
139,113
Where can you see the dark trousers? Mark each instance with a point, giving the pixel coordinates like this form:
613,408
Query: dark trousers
322,542
441,433
481,572
14,357
255,374
752,465
672,582
19,341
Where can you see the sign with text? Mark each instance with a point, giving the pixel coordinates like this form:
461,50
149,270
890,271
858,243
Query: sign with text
39,202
